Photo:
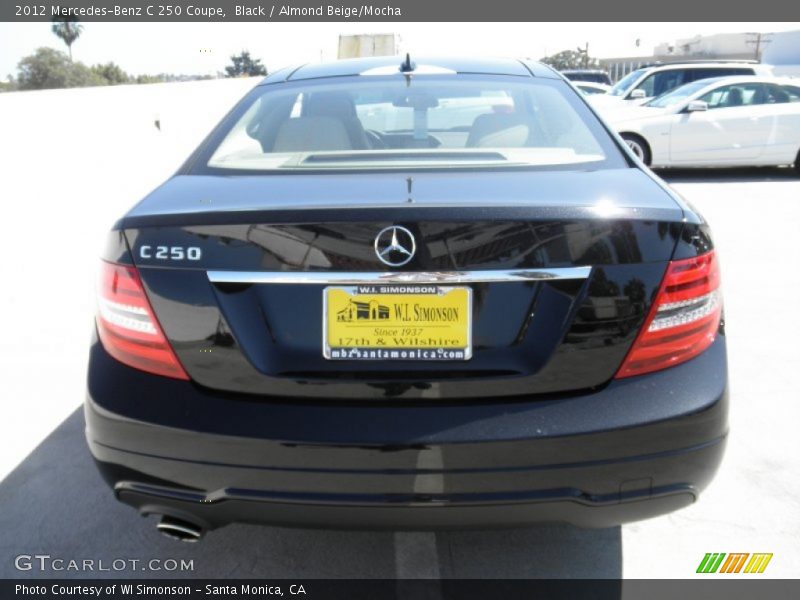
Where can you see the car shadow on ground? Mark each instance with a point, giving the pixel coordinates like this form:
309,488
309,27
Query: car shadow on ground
738,175
55,503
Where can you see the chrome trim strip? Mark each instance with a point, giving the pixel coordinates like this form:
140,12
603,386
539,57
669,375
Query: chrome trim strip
420,277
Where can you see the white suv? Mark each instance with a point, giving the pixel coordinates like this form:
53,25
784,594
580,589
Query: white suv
642,84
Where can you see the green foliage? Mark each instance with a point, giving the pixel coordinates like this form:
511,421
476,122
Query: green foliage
167,78
68,30
245,66
112,73
149,79
48,69
570,59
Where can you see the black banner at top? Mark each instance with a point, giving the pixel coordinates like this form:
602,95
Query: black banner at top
397,10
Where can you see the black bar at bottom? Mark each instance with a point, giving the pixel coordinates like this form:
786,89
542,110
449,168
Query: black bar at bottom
706,588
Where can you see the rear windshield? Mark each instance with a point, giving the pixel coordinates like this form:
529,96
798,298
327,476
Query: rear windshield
394,122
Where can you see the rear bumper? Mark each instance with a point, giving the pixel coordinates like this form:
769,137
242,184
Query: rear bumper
638,448
331,512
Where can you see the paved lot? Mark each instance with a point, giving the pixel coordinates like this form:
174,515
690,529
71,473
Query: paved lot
62,189
754,501
55,503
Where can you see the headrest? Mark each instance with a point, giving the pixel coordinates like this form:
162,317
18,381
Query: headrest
330,104
311,134
500,131
735,97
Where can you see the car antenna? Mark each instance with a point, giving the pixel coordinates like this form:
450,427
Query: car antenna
407,68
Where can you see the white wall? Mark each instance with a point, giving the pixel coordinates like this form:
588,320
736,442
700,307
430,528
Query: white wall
71,163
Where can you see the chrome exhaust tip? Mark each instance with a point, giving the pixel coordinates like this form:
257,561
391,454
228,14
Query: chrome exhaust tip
180,530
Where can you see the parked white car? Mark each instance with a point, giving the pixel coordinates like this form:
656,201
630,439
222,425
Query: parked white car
719,122
590,88
639,86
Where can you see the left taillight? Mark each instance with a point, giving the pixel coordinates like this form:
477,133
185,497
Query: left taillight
127,326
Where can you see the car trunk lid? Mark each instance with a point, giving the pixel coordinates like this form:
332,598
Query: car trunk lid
561,267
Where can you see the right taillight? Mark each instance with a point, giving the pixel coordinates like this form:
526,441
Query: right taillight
683,320
127,326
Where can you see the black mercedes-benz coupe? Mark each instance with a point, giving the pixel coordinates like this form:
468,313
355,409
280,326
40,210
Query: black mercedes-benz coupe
409,293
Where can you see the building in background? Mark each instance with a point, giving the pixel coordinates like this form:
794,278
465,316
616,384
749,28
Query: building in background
721,46
372,44
783,53
619,67
782,50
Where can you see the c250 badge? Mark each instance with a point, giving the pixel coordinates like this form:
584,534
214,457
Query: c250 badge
170,252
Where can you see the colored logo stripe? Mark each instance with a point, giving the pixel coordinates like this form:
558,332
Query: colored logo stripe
758,563
711,562
733,564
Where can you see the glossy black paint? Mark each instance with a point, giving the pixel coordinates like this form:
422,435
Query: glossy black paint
528,337
625,193
116,249
694,240
628,451
533,427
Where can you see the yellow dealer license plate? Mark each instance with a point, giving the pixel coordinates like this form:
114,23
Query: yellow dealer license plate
397,322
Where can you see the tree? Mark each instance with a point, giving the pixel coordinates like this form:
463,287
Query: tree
8,86
149,79
245,66
571,59
112,73
48,69
68,29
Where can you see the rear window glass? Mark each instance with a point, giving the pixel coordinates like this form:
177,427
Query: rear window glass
662,82
380,122
780,94
732,96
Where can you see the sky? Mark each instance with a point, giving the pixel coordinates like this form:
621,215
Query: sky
205,48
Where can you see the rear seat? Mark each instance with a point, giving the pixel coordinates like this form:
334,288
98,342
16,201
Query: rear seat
311,134
502,131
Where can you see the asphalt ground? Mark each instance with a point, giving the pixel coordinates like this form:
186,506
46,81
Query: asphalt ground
55,503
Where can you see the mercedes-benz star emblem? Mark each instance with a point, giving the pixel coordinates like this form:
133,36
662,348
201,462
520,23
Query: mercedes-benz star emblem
395,246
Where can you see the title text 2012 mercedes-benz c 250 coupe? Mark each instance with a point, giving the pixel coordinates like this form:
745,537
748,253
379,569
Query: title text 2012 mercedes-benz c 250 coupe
409,294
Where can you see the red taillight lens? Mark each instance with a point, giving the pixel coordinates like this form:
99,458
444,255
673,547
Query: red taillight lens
127,326
683,320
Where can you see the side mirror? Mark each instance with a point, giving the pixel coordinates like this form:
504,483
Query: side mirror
637,94
697,106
